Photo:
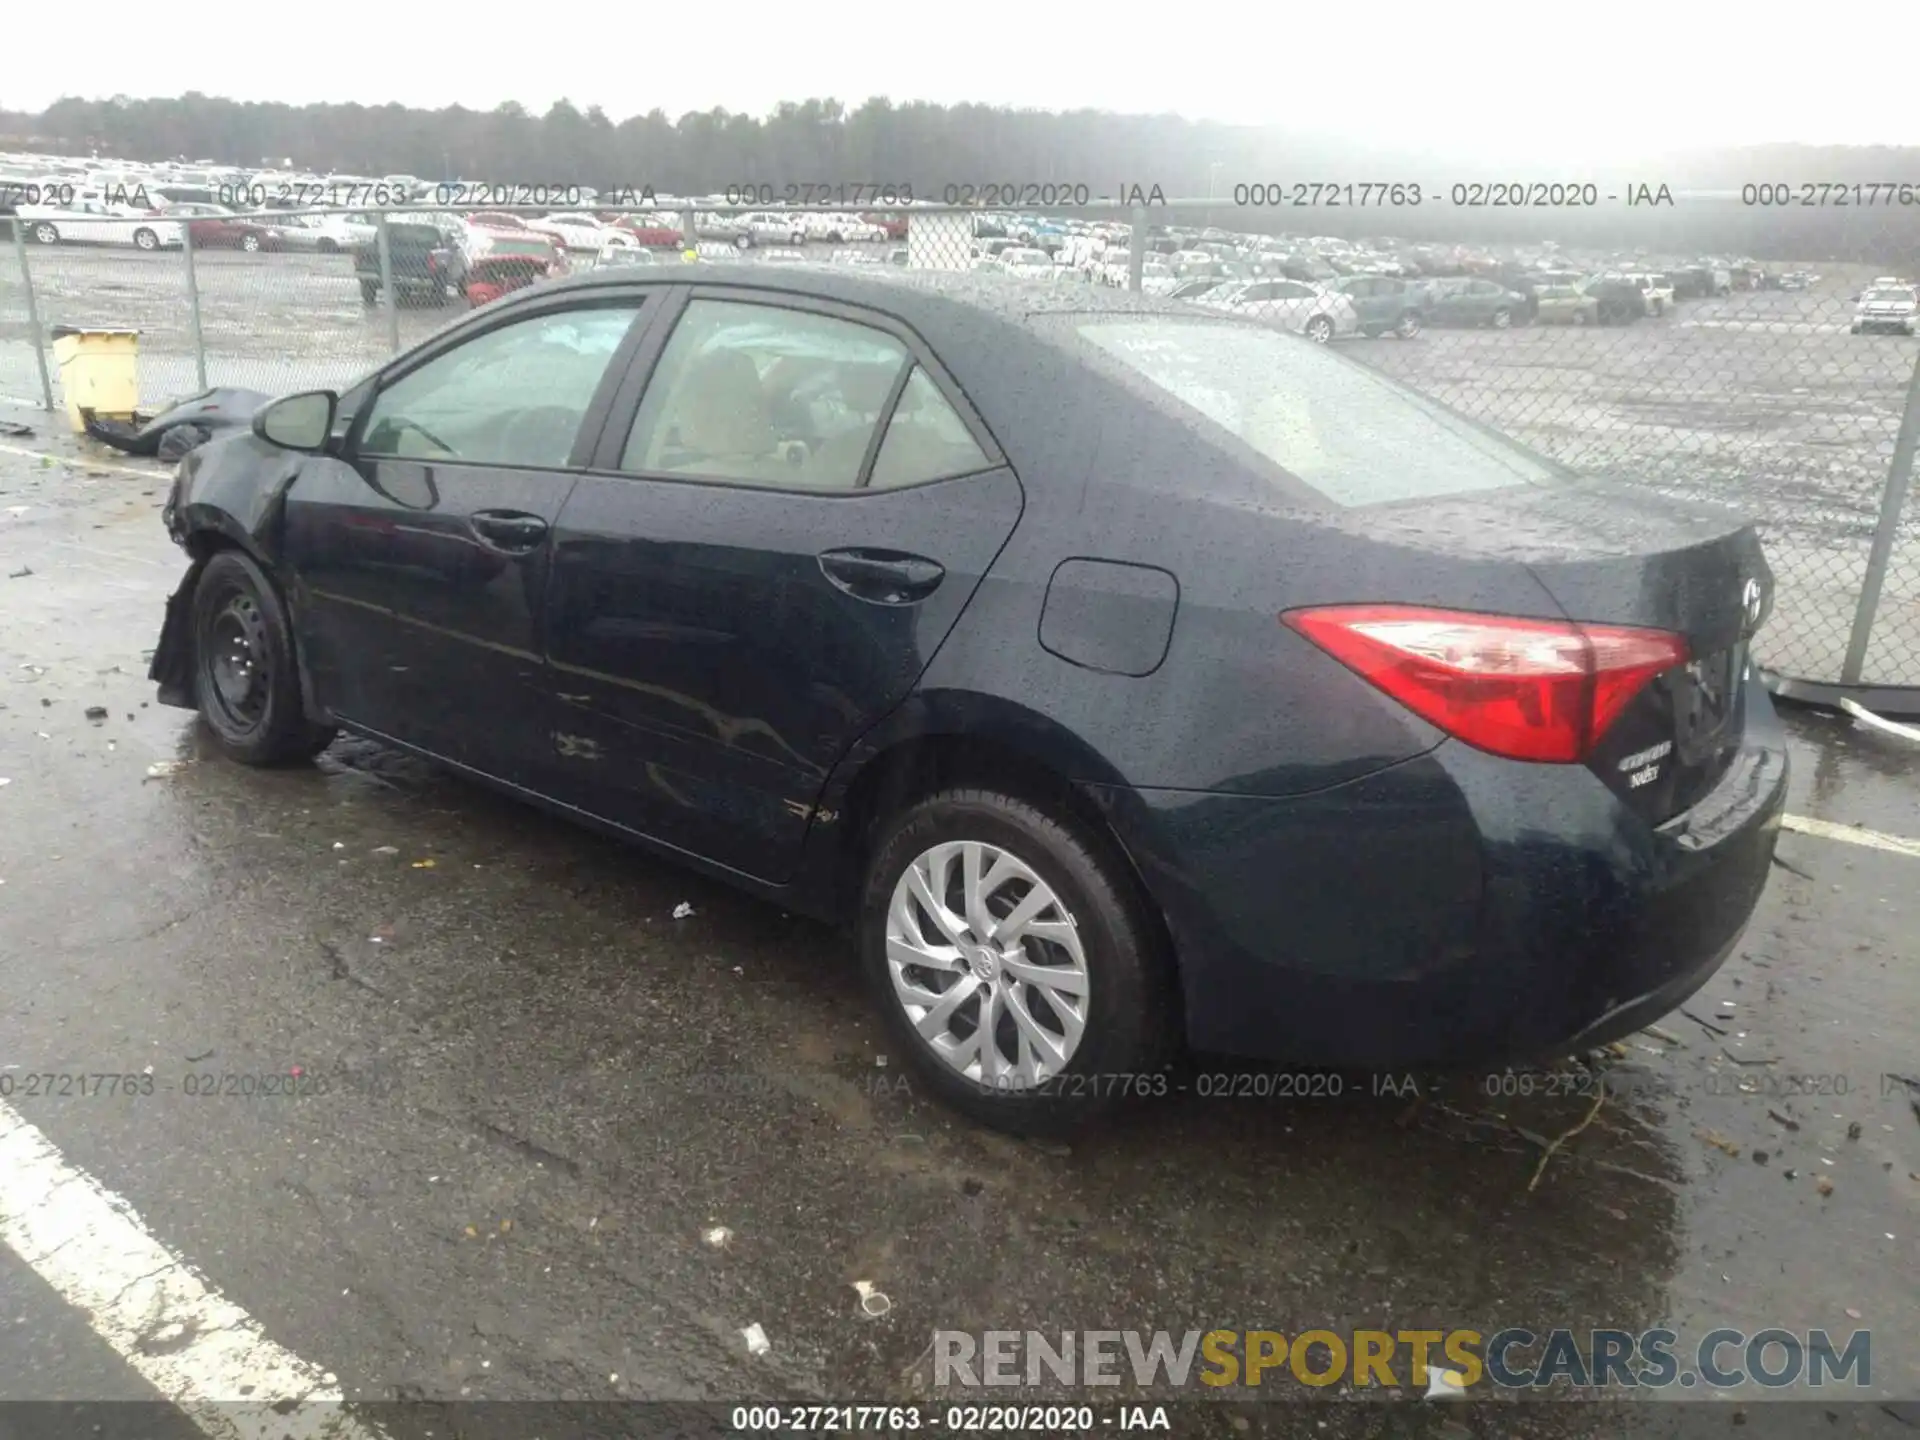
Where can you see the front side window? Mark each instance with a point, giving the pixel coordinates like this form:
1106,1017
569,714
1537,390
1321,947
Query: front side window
514,395
764,395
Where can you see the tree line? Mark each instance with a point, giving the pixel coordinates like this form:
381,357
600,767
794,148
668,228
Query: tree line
929,147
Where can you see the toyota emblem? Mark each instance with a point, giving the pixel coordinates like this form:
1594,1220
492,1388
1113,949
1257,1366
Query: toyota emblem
1751,601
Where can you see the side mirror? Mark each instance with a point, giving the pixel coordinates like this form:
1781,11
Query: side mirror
298,422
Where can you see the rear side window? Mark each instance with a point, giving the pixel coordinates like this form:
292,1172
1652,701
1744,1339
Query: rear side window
1346,431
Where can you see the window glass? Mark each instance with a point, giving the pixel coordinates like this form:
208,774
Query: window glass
925,439
1346,430
512,396
764,395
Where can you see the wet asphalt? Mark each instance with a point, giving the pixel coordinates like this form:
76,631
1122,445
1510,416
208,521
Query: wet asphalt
542,1089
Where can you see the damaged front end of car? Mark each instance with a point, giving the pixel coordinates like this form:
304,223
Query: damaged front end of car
229,493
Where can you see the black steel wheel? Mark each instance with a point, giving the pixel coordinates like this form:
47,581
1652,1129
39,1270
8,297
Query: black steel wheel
246,682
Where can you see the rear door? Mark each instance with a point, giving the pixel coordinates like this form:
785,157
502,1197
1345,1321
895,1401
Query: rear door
790,507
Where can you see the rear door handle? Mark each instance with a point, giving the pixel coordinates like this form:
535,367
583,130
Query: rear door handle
882,577
513,531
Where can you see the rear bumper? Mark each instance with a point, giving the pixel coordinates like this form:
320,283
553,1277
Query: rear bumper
1455,909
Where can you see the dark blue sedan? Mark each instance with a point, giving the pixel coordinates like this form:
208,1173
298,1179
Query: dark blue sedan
1125,677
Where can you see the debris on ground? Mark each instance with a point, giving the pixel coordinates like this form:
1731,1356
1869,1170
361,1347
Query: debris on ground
426,864
756,1338
873,1302
386,849
1719,1142
1667,1035
96,713
1790,1123
1879,722
1823,1185
14,430
717,1237
1599,1099
21,573
5,781
161,768
1446,1385
1853,1130
682,910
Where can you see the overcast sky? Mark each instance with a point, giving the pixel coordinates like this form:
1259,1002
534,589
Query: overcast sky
1547,84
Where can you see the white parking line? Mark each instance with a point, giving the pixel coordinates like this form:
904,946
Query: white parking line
202,1352
1850,834
80,463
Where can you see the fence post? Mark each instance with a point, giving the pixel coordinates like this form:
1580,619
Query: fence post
388,299
193,304
33,313
1137,249
689,232
1892,501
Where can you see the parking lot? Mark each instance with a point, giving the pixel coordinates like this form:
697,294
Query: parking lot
548,1095
1760,400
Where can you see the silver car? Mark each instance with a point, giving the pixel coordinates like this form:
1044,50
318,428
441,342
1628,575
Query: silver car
1307,310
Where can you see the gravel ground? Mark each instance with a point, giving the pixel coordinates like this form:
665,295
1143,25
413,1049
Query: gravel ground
1759,402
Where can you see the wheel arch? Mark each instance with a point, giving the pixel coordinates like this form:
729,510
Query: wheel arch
938,740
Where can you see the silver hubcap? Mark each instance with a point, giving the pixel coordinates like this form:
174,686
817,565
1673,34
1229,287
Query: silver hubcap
987,962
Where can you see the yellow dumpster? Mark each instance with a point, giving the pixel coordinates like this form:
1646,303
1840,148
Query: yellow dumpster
98,372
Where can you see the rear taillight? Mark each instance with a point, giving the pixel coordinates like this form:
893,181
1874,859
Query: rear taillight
1542,690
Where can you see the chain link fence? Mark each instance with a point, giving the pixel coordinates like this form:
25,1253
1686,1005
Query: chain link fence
1773,388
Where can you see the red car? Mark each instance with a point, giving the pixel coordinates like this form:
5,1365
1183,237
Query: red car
498,220
214,227
650,230
894,225
491,276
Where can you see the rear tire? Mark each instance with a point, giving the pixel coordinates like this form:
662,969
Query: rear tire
250,244
1319,330
145,239
246,682
1408,327
46,234
1095,992
1502,319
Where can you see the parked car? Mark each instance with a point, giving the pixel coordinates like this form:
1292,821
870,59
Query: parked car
92,220
1195,288
1381,806
1565,305
894,225
579,232
1886,310
660,232
1026,263
1620,300
1318,314
1659,292
325,234
897,255
1386,305
1157,278
841,229
490,277
764,227
1464,301
425,264
214,227
626,255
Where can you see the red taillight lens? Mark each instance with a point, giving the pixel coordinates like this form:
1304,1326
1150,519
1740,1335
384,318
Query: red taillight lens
1542,690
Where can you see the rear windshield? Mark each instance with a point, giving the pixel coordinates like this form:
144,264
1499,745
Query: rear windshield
1346,431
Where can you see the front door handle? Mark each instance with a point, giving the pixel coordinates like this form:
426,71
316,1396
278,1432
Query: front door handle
512,531
883,577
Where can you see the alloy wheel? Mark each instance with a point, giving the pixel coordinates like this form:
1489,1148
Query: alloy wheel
987,962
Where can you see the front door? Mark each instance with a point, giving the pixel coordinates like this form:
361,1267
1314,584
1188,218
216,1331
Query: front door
759,566
423,555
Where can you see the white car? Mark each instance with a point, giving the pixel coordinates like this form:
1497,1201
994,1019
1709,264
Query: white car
91,220
624,252
1318,314
1157,278
1027,264
785,257
577,232
1887,309
843,229
327,234
762,227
